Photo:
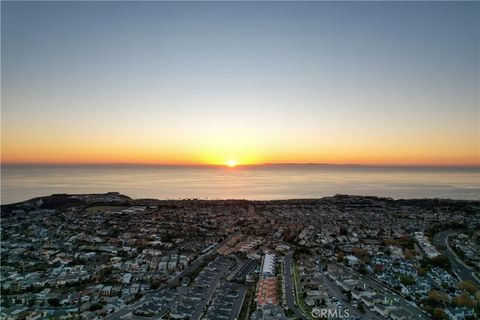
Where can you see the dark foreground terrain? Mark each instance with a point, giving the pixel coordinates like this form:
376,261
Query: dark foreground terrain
100,256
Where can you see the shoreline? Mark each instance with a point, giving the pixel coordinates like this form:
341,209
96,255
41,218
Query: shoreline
118,198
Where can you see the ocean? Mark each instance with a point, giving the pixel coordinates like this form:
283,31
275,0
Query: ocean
264,182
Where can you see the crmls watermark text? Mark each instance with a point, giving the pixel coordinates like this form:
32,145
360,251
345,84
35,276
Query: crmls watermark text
330,313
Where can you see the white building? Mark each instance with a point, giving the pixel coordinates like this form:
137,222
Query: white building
268,268
127,277
426,246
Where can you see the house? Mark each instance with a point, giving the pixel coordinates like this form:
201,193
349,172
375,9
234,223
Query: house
135,288
352,260
459,313
127,277
107,291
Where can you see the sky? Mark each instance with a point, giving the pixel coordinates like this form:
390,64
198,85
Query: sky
245,82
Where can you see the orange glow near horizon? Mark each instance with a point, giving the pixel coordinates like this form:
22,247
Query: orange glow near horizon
205,146
212,143
112,155
299,83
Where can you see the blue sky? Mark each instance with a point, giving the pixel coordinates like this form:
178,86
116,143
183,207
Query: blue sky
254,81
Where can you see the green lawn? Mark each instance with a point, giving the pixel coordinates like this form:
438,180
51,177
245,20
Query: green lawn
298,296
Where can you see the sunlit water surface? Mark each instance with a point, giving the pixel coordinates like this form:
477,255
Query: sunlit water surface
259,182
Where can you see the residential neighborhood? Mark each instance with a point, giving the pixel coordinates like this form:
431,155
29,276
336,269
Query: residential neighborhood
107,256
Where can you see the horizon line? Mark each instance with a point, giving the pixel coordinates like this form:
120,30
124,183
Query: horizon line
265,164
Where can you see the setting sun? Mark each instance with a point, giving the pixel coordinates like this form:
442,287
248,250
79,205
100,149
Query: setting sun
231,163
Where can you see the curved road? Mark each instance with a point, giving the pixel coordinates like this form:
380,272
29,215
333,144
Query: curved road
440,241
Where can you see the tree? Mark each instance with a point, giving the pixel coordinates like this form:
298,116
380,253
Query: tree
388,251
439,314
95,307
289,313
359,252
441,262
409,254
340,257
468,286
349,295
54,302
366,258
437,298
154,284
361,307
7,302
422,272
362,269
464,300
407,280
5,291
105,272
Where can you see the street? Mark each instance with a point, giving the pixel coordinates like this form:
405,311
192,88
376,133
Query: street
174,281
440,241
289,288
332,287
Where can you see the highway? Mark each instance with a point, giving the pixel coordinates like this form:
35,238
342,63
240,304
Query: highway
290,289
440,241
